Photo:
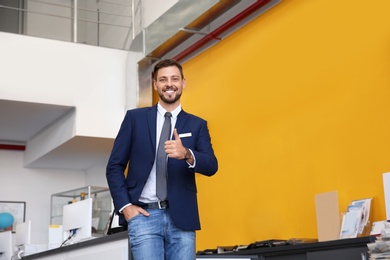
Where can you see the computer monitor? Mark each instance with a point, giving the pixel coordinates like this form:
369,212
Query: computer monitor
77,220
6,251
22,234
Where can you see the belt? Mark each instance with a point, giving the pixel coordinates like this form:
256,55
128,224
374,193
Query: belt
158,205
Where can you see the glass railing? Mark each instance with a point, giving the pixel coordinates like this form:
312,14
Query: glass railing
106,23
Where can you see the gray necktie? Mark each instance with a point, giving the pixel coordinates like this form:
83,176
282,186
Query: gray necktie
161,160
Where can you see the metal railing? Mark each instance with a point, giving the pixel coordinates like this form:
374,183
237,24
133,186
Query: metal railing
112,24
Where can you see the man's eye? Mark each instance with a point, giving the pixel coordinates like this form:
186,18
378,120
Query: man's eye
163,80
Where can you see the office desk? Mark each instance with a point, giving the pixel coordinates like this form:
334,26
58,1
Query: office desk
343,249
116,247
108,247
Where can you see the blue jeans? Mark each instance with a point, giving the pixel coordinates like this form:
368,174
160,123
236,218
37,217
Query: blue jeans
157,238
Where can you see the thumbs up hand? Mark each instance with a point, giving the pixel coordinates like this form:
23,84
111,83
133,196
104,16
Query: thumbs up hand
174,148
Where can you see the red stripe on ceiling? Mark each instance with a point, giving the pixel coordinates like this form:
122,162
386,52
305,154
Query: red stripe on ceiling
12,147
224,27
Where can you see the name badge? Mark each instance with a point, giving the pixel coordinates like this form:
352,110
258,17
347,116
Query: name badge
185,135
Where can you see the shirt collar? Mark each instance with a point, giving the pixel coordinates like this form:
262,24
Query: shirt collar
174,113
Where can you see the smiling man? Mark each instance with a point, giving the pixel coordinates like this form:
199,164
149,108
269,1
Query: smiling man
157,198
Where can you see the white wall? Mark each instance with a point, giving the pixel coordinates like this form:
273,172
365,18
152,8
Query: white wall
96,176
92,79
35,186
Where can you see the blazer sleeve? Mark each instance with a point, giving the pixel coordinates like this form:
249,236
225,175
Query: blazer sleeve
117,164
206,161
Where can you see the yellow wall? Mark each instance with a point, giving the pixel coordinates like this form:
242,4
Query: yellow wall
308,87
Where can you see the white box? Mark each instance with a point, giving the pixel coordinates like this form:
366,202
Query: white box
56,236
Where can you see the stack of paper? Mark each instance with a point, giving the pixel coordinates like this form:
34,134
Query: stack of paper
380,249
356,219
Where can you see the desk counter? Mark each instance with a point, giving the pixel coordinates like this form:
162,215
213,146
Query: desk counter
102,248
342,249
116,247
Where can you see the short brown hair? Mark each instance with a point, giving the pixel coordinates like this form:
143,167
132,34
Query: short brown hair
166,63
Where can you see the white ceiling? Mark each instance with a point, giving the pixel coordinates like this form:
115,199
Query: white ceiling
20,121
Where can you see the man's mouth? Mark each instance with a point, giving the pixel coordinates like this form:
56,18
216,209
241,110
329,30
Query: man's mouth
170,91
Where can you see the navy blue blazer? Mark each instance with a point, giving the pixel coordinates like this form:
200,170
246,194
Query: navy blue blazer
135,146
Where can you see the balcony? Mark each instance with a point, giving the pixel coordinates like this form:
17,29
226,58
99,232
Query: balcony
112,24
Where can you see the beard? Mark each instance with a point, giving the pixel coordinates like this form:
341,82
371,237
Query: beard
169,100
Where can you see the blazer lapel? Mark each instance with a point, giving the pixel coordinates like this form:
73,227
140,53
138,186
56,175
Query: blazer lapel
152,123
181,121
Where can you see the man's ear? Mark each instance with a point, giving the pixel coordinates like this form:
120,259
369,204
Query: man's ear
154,84
184,83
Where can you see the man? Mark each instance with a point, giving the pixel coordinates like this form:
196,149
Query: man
160,226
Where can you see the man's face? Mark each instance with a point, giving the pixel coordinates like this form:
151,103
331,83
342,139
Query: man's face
169,84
